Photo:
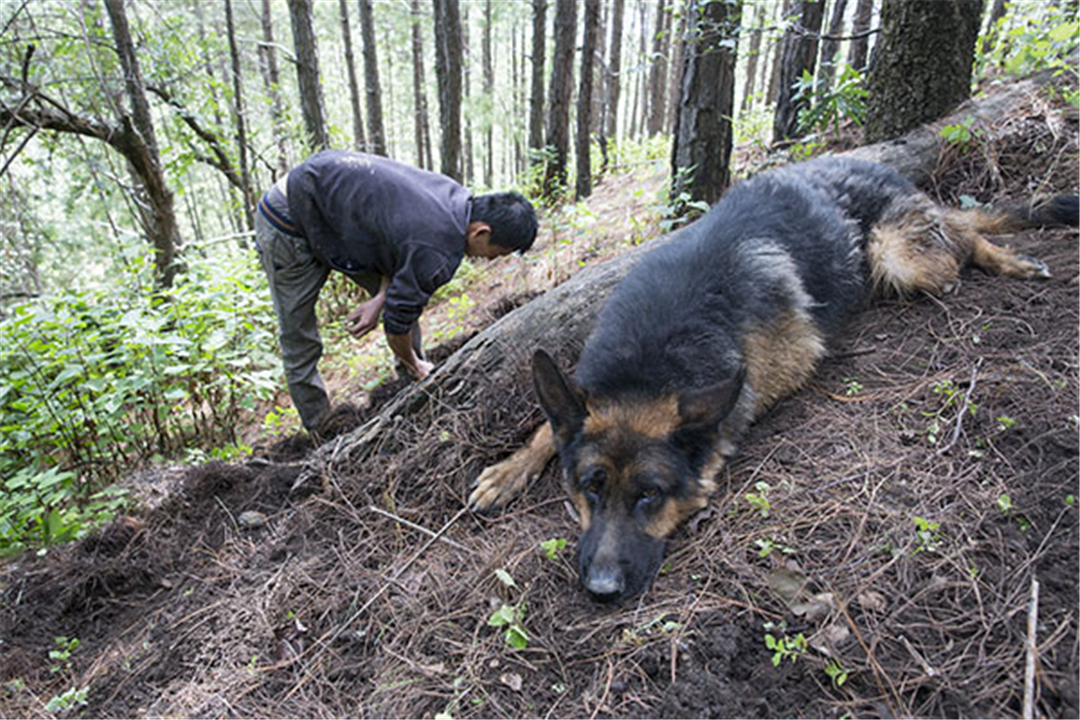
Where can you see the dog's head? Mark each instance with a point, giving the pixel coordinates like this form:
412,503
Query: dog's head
635,471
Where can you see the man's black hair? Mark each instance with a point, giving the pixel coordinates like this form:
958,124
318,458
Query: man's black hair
511,217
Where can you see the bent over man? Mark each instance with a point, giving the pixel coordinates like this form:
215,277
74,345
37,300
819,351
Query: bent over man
397,231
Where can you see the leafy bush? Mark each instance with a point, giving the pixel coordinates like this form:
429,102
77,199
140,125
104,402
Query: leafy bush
846,99
93,382
1030,38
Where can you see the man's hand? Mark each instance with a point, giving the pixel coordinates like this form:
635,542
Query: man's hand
365,317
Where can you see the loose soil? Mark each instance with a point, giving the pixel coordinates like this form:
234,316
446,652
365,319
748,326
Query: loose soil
237,595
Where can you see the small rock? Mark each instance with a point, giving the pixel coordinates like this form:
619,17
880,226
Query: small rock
512,681
251,519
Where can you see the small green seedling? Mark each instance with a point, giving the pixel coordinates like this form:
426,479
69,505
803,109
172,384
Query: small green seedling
510,617
785,648
852,386
67,701
1004,503
61,656
760,500
553,547
767,545
836,672
927,535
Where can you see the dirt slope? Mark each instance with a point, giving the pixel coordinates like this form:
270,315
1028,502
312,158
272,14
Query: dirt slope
235,598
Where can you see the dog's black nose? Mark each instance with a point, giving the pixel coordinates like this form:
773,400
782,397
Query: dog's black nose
605,585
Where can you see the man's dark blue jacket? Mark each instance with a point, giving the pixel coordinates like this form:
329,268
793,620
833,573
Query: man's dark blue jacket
366,213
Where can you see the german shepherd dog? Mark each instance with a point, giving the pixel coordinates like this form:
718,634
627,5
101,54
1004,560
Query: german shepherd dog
709,330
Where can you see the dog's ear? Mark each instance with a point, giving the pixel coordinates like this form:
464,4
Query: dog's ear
561,403
703,409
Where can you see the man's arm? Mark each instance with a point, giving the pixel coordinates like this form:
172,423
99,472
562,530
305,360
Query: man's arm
365,317
402,347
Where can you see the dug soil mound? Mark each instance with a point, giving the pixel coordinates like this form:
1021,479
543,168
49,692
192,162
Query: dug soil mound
871,552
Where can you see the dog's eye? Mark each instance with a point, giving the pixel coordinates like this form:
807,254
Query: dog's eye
649,494
593,481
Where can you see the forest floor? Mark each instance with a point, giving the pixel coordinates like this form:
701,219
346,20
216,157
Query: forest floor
915,489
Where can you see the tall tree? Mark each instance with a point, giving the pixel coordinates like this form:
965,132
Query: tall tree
466,93
678,34
923,64
359,143
777,55
860,41
307,73
489,90
614,68
372,89
798,55
830,45
272,83
756,32
238,119
421,126
658,69
701,146
536,101
448,74
143,154
562,75
583,183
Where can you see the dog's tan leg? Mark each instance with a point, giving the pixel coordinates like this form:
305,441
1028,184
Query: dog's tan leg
970,227
500,483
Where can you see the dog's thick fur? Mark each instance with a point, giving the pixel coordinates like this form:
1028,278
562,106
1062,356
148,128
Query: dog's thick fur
710,329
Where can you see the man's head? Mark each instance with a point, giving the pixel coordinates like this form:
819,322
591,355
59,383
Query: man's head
500,224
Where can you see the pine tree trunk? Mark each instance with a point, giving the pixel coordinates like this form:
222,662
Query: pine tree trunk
583,184
272,83
777,57
701,146
830,48
614,80
752,56
798,55
923,64
658,69
241,128
448,73
307,74
562,78
372,90
678,46
864,12
421,131
489,89
536,101
359,143
466,93
159,215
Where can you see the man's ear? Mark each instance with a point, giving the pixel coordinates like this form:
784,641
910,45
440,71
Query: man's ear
561,404
702,410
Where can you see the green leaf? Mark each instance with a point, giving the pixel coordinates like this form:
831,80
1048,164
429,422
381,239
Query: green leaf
505,578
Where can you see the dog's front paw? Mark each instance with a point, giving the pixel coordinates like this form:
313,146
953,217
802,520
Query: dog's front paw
1033,267
498,485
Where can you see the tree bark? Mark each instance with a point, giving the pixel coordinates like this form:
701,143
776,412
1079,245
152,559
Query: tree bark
421,128
536,101
860,44
752,56
466,92
658,69
448,74
798,55
701,146
562,77
614,68
677,44
489,89
559,321
141,150
272,83
777,62
830,47
923,64
241,127
583,183
359,141
372,90
307,74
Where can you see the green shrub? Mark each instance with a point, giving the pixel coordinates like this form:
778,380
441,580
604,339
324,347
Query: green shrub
95,382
